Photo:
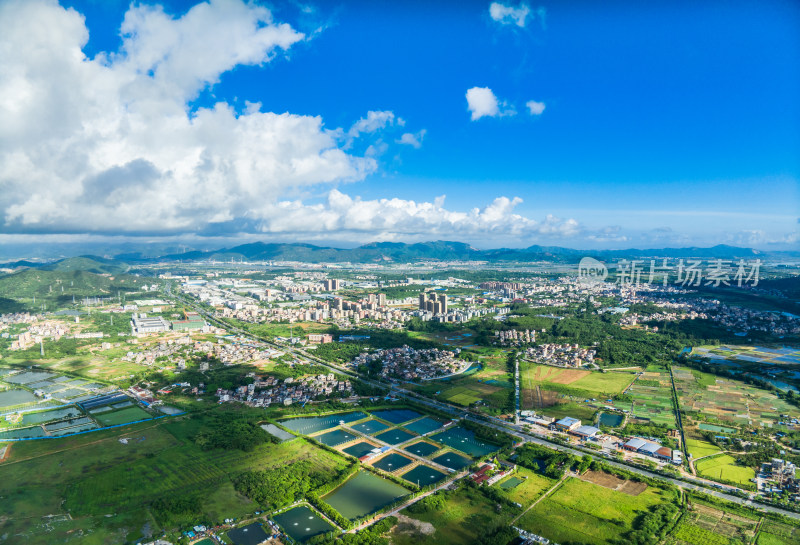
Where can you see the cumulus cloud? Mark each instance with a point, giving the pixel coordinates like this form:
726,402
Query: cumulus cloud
412,139
385,218
111,144
535,108
374,121
509,15
482,102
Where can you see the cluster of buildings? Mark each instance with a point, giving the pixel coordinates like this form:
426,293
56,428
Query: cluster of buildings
561,355
335,310
166,349
633,319
142,324
48,329
409,364
433,302
515,337
777,476
231,353
655,450
269,390
490,473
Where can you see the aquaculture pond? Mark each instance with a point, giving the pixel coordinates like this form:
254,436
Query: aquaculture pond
392,462
359,449
611,419
423,425
335,437
394,436
363,494
9,398
370,427
453,460
312,424
422,448
464,440
424,475
396,416
301,523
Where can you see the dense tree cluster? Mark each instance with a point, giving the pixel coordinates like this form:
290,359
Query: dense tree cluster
274,488
231,430
651,527
551,463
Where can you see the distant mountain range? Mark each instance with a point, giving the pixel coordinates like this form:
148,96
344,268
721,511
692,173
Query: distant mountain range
393,252
399,252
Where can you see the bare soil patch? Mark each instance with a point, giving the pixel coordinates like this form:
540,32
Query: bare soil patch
606,480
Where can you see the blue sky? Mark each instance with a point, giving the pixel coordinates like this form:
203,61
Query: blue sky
653,126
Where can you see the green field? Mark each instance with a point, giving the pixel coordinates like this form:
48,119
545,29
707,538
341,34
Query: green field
468,514
776,533
699,449
124,416
577,381
91,476
532,486
584,512
723,468
706,524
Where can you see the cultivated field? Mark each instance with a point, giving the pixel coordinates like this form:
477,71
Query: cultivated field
775,533
652,398
733,402
585,512
706,525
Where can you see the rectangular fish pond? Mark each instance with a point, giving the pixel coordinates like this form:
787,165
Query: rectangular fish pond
464,440
301,523
312,424
363,494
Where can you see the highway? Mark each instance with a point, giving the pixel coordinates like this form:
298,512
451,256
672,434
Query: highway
496,423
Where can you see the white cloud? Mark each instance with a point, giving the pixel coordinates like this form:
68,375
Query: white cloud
392,218
412,139
509,15
374,121
110,144
482,102
535,108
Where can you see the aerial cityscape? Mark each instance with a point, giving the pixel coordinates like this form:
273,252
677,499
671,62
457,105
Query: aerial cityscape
399,273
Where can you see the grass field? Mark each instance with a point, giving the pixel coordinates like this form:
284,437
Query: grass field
574,409
558,392
532,486
698,448
468,514
584,512
723,468
124,416
90,476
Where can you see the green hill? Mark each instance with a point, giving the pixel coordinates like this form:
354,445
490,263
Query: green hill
55,289
88,263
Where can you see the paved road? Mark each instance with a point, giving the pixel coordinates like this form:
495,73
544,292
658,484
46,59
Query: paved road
500,424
